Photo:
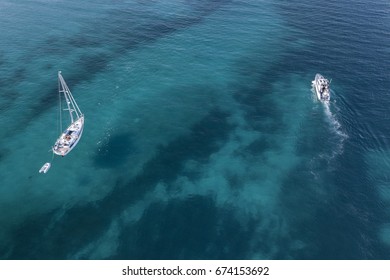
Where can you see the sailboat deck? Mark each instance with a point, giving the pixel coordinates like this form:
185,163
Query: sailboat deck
69,138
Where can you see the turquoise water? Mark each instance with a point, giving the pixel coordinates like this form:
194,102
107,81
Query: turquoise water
202,139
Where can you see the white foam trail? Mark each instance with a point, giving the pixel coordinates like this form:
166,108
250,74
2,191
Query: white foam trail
333,121
336,129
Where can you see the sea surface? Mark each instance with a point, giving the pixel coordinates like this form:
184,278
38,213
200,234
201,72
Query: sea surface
203,138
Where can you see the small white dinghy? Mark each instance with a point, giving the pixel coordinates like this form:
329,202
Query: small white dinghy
45,167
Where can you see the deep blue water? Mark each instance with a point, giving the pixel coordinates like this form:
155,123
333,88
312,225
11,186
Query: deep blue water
203,139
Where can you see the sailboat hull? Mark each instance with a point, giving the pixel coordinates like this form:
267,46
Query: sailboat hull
69,138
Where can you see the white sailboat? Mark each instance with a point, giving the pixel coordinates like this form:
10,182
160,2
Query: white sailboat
69,137
72,134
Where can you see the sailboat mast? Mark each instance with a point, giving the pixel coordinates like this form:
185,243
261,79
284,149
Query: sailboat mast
60,105
73,108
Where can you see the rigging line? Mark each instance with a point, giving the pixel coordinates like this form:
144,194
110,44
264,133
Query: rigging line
60,106
68,100
72,105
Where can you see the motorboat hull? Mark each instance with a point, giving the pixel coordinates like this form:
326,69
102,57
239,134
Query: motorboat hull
321,87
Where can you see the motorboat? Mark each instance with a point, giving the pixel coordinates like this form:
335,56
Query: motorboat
321,87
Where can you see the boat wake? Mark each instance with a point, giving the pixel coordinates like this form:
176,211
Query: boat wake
339,135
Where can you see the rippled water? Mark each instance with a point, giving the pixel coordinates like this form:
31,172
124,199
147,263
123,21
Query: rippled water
203,138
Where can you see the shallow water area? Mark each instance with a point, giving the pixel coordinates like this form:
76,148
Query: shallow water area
202,139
